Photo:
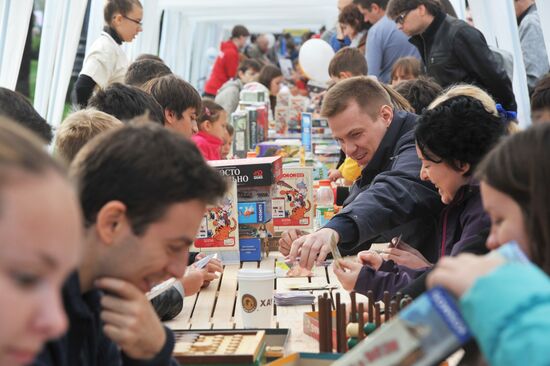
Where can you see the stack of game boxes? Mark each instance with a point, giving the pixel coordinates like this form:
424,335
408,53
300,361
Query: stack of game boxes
249,219
251,121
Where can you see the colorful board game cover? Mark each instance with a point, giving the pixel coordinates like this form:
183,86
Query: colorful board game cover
219,230
292,204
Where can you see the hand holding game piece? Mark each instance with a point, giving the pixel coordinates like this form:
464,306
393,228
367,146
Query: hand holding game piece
313,247
130,320
287,238
370,258
406,258
458,274
347,273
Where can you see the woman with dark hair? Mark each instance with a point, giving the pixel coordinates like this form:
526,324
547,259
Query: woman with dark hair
451,140
271,77
353,26
506,305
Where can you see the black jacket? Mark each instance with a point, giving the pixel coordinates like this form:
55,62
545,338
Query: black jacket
390,199
85,344
455,52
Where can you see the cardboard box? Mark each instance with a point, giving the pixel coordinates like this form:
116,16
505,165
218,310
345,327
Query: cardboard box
251,249
251,172
292,203
254,212
218,230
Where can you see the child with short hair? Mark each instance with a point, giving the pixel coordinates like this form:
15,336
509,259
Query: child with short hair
212,124
79,128
406,68
228,141
540,101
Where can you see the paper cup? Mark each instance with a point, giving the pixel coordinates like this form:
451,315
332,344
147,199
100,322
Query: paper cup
256,297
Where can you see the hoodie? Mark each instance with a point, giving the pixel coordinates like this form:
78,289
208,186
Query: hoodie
225,67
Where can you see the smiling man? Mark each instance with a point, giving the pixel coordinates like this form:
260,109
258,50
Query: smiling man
143,192
389,198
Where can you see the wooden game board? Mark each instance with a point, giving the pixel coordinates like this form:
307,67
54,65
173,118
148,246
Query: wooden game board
229,348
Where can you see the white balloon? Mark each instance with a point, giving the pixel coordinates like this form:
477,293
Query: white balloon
315,56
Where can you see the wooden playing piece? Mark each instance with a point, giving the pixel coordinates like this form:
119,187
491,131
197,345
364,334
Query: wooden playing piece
370,296
393,308
352,342
377,316
353,316
386,300
343,340
329,324
398,297
352,330
322,324
361,322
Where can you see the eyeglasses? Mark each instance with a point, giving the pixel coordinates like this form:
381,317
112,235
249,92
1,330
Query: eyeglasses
133,20
401,17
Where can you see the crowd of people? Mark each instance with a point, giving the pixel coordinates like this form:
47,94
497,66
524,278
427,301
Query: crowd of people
424,113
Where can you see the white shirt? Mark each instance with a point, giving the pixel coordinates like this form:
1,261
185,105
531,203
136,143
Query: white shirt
106,63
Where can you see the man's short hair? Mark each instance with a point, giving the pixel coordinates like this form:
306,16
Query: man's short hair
541,94
146,167
239,31
140,72
366,92
149,56
126,102
419,92
79,128
396,7
366,4
174,94
17,108
348,60
249,64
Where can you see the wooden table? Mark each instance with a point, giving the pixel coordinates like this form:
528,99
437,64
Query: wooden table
214,307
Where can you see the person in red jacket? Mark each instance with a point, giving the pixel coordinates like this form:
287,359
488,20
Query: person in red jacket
227,62
212,129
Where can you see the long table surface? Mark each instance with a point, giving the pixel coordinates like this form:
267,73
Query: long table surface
215,306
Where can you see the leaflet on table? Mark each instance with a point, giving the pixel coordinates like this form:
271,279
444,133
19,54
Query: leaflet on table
292,202
219,230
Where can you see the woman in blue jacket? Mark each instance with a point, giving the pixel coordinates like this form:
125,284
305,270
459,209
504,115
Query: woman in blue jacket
507,305
451,139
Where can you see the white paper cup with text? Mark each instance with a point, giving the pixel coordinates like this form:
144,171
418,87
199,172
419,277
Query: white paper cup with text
256,297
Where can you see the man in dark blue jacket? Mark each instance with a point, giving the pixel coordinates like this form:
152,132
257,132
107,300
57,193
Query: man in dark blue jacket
389,198
143,192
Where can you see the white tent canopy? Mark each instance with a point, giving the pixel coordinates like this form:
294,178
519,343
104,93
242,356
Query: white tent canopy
192,30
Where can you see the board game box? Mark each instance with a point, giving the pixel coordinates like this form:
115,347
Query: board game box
219,230
292,203
251,172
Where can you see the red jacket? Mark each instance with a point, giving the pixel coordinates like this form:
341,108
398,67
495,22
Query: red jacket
209,145
225,67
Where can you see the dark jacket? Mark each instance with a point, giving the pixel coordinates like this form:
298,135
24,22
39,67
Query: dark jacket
85,344
389,198
455,52
460,223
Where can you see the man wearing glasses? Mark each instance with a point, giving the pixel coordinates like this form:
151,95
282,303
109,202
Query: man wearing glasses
386,44
453,51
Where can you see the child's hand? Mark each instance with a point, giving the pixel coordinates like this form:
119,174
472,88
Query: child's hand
347,273
334,174
405,258
370,258
460,273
